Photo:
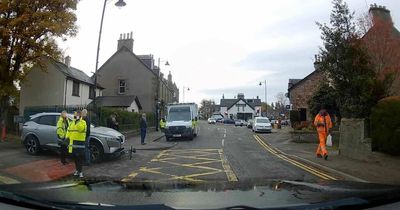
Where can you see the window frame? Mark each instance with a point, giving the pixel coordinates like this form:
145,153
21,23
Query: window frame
53,123
75,91
119,86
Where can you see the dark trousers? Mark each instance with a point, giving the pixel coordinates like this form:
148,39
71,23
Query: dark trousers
142,134
87,151
63,152
78,154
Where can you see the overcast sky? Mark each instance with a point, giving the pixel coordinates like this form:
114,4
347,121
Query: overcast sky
214,47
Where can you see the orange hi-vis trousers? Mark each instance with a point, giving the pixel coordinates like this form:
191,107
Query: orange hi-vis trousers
321,149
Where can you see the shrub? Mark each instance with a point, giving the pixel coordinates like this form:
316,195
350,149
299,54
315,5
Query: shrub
385,126
127,120
294,116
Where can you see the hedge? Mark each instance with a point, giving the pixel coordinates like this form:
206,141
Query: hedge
294,116
385,126
126,120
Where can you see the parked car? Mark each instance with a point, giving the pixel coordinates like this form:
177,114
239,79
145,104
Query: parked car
240,122
250,123
211,121
229,121
262,124
39,132
220,120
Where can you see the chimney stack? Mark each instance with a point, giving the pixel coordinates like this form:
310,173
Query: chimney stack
126,40
317,62
67,61
380,13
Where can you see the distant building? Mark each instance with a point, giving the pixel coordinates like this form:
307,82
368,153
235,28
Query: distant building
240,107
127,103
57,84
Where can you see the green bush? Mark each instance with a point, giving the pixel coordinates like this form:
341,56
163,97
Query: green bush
385,126
127,120
294,117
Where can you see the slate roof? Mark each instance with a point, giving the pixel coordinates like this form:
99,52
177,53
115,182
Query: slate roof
230,102
117,101
303,80
74,73
293,82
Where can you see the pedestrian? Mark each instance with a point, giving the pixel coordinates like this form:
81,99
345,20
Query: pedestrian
86,118
143,128
112,122
162,124
62,127
323,123
77,137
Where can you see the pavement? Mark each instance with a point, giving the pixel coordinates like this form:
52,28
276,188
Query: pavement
380,168
220,153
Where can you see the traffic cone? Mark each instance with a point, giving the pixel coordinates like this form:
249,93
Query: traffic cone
3,133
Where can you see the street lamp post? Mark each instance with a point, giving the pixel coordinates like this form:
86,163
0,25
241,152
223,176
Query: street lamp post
183,91
158,101
120,3
265,96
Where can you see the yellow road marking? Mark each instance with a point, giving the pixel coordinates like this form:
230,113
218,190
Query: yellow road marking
202,156
227,168
293,162
8,180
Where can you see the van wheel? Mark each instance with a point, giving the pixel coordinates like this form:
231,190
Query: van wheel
96,151
32,145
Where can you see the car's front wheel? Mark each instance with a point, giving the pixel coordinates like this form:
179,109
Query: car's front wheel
96,151
32,145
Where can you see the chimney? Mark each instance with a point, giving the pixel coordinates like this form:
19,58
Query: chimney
317,62
380,13
240,96
169,77
223,96
67,61
257,97
126,40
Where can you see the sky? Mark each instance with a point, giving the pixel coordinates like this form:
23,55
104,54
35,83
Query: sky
214,47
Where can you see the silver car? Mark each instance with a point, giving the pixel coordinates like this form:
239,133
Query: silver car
39,132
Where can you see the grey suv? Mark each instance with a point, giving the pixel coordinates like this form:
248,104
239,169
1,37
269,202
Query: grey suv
40,133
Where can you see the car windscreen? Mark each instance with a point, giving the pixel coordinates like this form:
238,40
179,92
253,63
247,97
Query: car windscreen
179,114
262,120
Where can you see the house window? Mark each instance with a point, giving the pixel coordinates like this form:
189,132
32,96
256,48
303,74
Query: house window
122,86
92,93
75,88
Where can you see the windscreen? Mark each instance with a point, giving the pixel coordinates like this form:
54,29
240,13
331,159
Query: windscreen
179,114
262,120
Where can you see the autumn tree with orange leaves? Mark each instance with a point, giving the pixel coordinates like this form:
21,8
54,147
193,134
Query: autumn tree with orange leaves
28,31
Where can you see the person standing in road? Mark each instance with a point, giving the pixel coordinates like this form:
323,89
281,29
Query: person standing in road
62,127
143,128
77,137
87,142
162,124
323,123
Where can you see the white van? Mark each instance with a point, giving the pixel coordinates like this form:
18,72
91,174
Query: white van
262,124
181,121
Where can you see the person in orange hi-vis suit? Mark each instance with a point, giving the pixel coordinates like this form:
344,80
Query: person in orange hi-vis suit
323,123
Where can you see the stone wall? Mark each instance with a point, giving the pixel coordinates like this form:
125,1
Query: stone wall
353,140
302,92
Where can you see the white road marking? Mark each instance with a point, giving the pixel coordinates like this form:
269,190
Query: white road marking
222,142
224,135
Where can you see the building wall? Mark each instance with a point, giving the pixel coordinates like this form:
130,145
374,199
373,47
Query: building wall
301,93
42,88
140,81
83,98
133,107
234,109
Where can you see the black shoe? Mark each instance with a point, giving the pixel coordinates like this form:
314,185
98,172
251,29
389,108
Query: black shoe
143,143
319,156
326,157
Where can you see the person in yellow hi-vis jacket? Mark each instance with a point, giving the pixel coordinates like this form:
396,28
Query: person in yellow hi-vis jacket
62,127
77,137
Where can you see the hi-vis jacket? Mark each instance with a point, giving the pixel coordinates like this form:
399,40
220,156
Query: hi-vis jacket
76,134
62,127
326,120
162,124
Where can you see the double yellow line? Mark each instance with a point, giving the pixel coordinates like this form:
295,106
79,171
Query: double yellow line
281,155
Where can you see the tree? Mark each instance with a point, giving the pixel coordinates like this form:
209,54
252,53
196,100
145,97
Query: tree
207,108
281,98
346,63
325,96
28,31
